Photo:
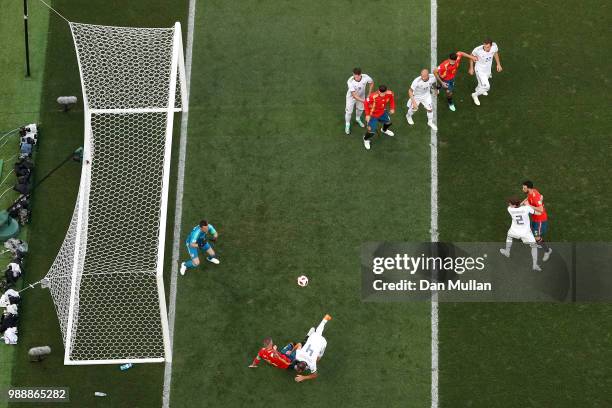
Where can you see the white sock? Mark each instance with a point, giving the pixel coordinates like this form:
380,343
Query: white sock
430,116
479,91
347,117
358,114
508,244
534,255
321,326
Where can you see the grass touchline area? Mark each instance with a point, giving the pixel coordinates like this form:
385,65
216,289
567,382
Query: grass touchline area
19,105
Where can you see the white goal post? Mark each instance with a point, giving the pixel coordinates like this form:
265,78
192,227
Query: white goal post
107,279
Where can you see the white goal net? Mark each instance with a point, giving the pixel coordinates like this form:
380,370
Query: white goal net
107,280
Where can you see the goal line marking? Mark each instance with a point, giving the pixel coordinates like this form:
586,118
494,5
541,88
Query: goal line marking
178,215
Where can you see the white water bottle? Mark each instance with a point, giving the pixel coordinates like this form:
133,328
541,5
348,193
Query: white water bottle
100,394
126,366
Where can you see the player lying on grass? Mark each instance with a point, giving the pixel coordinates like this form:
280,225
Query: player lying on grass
283,359
420,93
375,108
519,229
198,239
485,54
539,222
307,356
447,70
355,97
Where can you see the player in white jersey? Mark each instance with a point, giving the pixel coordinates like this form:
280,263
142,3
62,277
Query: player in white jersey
521,229
307,356
420,94
355,97
485,54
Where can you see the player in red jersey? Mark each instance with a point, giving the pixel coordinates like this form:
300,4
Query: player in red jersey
281,359
446,72
539,222
375,110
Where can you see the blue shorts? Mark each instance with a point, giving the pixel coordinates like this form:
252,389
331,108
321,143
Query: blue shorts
289,347
539,228
450,83
193,252
373,123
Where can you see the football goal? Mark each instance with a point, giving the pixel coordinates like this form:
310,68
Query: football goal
107,280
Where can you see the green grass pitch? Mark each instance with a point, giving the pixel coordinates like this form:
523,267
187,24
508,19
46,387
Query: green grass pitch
267,116
548,121
269,165
19,104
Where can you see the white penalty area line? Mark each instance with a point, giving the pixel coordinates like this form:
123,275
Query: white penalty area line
178,215
434,210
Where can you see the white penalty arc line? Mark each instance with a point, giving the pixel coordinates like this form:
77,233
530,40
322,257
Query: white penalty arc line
178,215
434,211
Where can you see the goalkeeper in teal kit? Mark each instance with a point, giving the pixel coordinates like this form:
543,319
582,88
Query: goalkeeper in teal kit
198,239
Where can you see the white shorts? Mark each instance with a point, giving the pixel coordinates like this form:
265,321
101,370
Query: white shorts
424,100
324,344
351,103
526,237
